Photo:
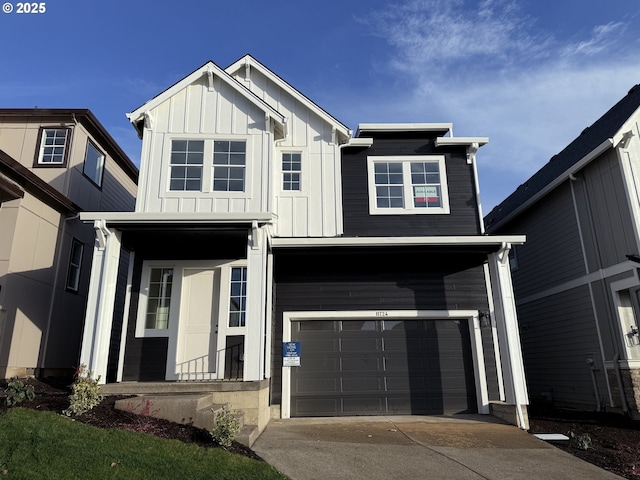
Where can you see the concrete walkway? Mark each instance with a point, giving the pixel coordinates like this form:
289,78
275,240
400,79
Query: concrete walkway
382,448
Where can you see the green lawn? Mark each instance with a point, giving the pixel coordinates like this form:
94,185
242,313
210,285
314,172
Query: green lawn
43,445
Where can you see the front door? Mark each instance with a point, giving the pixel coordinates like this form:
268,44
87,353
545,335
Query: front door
196,355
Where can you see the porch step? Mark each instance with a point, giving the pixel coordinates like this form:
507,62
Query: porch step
247,435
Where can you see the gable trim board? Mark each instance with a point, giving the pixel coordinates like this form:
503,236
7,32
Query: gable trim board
248,62
141,114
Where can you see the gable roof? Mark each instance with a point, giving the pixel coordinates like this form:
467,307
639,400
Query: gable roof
30,182
248,60
588,145
209,68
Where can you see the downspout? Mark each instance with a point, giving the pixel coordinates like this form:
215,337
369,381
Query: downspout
54,288
471,158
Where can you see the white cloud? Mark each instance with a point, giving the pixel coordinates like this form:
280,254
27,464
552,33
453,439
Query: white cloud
491,71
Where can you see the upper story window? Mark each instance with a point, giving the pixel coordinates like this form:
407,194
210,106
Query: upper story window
75,265
187,157
229,162
53,147
291,171
407,185
93,163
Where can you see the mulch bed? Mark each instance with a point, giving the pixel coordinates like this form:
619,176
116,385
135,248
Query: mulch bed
614,439
53,395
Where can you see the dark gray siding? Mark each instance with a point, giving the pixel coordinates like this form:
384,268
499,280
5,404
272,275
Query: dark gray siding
552,254
376,279
604,214
463,219
557,333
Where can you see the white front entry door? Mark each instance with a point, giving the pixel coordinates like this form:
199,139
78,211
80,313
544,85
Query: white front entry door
197,337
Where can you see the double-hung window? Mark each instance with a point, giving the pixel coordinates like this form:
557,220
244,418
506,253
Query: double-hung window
291,171
54,145
407,185
187,158
229,162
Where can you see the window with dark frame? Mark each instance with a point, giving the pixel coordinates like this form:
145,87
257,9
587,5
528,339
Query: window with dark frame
53,146
93,164
75,265
229,165
187,157
291,171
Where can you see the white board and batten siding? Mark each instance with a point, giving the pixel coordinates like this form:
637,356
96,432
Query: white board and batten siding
199,113
315,210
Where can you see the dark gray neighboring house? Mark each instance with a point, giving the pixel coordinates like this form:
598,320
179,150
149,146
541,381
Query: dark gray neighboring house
576,279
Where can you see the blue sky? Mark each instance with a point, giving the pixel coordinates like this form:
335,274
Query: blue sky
530,75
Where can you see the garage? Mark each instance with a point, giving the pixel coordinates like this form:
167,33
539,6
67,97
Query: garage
382,366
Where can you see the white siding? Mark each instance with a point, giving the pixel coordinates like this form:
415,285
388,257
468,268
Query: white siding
316,210
200,113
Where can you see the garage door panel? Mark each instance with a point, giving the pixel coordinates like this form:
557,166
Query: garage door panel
361,364
317,385
366,384
363,405
380,367
360,344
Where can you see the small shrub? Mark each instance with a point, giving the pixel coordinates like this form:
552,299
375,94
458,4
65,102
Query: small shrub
580,441
85,392
226,429
18,391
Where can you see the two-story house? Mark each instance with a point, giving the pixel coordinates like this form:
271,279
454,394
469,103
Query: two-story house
576,279
54,163
280,262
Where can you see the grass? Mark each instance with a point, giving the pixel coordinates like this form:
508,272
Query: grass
45,445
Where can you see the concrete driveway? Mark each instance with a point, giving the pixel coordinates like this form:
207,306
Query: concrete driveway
408,447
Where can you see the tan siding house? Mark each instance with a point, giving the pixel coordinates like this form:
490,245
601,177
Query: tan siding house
53,165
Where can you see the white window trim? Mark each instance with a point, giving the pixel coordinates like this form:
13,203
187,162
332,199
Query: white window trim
408,209
225,299
67,146
207,167
174,312
301,172
76,286
472,316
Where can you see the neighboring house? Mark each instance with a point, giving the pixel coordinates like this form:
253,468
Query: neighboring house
54,163
576,279
260,223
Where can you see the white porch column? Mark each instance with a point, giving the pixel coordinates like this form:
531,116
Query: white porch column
508,334
254,342
101,299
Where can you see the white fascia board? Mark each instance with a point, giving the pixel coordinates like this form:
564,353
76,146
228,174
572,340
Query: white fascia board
175,218
455,141
358,142
404,127
478,240
192,77
573,169
253,63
